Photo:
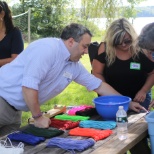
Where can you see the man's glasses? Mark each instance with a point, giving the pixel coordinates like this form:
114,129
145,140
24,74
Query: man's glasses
126,42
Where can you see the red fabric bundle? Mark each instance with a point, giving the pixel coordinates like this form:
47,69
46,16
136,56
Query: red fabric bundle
63,124
89,132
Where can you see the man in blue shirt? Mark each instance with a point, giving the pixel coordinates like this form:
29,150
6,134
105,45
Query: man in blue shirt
43,70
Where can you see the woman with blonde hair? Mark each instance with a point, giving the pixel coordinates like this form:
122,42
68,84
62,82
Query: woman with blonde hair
122,64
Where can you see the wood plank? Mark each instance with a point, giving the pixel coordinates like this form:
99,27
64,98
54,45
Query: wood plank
136,132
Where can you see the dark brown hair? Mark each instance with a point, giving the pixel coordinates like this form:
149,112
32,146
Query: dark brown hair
146,38
8,17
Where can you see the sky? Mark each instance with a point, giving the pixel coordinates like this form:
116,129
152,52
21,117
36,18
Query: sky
147,3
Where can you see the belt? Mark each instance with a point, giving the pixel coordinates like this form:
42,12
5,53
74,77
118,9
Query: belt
10,105
13,107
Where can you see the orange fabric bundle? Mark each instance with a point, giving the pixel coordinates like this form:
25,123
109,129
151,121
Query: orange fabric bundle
63,124
89,132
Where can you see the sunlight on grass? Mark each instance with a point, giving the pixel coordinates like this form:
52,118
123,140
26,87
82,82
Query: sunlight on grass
95,38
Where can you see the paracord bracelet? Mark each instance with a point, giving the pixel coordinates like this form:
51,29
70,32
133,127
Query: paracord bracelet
37,116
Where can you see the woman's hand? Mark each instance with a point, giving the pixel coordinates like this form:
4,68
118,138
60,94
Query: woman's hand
140,96
136,107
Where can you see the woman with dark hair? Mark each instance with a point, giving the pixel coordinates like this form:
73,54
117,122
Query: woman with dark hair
146,42
11,42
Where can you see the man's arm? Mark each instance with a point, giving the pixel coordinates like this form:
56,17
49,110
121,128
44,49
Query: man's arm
31,99
7,60
106,89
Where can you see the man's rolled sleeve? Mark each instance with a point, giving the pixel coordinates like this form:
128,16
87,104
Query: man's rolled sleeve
94,83
31,82
86,79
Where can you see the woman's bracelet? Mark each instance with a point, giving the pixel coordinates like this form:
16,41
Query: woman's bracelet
37,116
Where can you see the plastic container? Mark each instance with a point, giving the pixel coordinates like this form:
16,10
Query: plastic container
121,119
150,120
107,106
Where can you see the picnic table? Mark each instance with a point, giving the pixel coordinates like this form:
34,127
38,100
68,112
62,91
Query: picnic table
137,130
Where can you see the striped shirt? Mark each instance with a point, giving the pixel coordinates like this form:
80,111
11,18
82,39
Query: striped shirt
44,66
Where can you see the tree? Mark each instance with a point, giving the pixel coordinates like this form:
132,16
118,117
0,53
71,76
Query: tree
48,17
109,9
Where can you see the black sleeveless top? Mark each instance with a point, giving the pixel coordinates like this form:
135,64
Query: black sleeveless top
127,76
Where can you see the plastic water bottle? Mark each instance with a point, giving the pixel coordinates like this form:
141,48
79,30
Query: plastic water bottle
121,119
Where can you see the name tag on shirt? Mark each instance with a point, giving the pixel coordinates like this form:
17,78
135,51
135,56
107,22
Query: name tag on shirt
68,76
135,66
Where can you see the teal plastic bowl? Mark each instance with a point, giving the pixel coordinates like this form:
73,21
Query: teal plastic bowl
107,106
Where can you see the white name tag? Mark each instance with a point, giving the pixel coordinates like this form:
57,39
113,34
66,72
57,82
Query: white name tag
135,66
67,75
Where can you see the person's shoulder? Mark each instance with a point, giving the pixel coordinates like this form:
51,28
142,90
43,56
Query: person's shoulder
143,53
15,30
46,42
102,48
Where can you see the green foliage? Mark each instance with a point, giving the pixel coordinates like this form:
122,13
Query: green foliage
91,26
129,11
49,17
109,9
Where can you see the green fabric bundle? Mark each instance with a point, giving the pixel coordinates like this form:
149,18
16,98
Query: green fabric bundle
71,118
42,132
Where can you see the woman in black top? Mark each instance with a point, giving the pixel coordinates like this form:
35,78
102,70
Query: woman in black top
126,68
123,65
11,42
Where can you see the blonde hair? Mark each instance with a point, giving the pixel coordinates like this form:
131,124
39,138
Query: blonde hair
115,35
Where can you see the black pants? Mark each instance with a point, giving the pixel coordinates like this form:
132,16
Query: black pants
141,147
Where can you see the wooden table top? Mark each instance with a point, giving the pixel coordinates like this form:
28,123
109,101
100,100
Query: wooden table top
137,130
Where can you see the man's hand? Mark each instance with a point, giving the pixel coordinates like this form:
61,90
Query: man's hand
136,107
42,122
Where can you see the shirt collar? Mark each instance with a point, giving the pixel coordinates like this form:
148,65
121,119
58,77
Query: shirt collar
65,52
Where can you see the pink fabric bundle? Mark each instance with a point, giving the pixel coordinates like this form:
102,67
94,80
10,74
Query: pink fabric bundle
78,108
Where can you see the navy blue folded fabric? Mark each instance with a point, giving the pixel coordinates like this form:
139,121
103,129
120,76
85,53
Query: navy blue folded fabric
26,138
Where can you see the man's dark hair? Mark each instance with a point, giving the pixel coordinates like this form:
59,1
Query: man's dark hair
75,31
